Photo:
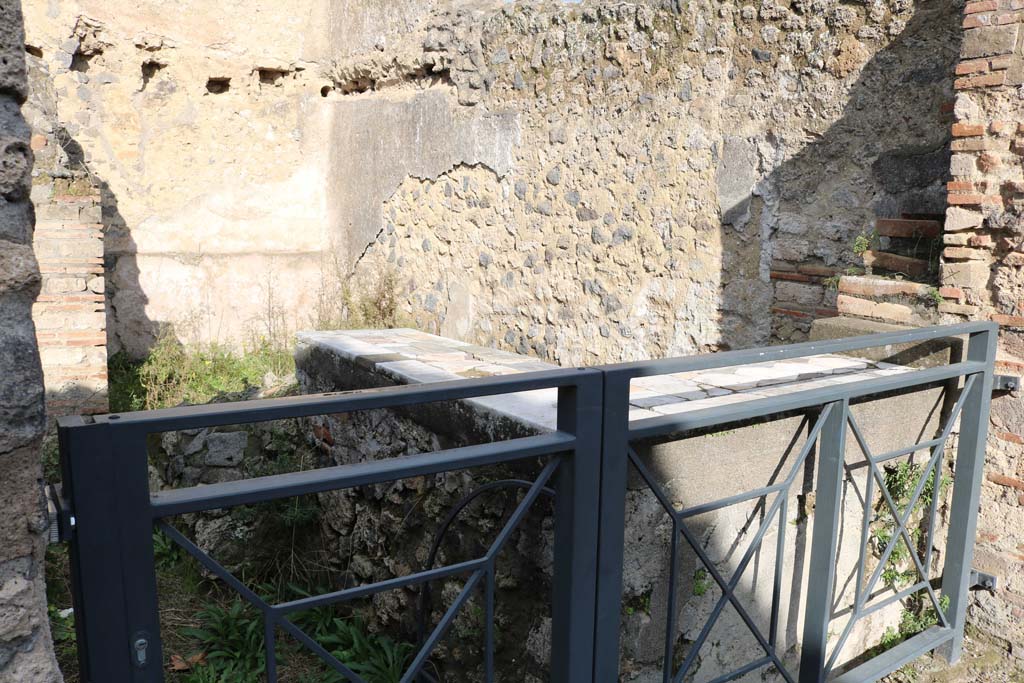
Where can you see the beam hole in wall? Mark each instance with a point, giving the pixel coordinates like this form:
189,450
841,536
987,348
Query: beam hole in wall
217,85
150,68
271,76
34,51
326,90
80,61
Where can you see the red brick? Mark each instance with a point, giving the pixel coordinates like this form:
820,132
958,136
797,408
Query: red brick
981,6
790,312
951,292
983,241
816,271
795,277
977,21
1003,480
977,144
979,81
1009,436
1003,19
1008,320
973,199
901,227
964,130
974,66
960,186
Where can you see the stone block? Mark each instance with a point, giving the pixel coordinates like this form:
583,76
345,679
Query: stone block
989,41
225,449
958,218
970,274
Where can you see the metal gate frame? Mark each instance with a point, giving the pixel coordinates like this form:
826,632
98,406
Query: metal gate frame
109,514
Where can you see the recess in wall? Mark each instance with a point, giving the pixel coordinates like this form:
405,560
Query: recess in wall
218,85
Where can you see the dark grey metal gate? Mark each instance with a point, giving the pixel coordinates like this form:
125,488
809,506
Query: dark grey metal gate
110,513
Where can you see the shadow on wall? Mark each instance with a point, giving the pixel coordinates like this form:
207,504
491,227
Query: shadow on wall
887,156
125,299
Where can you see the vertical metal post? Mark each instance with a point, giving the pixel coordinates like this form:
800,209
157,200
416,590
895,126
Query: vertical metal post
963,519
106,474
824,543
576,504
138,568
614,475
87,469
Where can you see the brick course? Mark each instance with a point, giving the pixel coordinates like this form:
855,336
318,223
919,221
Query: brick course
70,313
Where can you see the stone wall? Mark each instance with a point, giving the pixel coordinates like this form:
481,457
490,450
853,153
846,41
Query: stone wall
204,132
69,313
983,278
26,652
638,179
639,173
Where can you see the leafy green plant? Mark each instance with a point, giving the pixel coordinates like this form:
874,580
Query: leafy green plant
701,582
377,658
62,628
831,283
173,374
166,553
863,242
934,296
232,638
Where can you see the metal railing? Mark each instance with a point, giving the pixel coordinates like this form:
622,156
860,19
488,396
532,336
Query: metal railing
110,513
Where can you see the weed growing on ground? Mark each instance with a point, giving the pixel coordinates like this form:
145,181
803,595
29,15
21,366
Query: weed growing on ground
173,374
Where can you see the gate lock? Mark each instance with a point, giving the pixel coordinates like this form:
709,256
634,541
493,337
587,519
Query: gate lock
140,648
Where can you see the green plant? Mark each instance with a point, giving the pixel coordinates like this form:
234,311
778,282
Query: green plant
863,242
166,552
173,374
832,283
701,582
376,658
232,638
934,296
62,628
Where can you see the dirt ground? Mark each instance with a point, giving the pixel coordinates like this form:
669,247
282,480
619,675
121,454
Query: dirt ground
983,661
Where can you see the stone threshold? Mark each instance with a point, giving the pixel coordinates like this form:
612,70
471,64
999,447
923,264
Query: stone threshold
407,356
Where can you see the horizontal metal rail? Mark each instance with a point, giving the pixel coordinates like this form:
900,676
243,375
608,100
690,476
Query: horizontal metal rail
308,405
668,366
798,400
260,489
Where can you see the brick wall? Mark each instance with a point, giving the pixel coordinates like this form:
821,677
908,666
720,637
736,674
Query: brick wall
70,313
983,278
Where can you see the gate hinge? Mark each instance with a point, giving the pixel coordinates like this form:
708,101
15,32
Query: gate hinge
984,581
1005,383
60,515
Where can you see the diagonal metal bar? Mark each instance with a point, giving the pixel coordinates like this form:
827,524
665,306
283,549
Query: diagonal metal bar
901,520
728,588
745,669
737,605
524,506
442,627
215,567
728,593
406,581
319,650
